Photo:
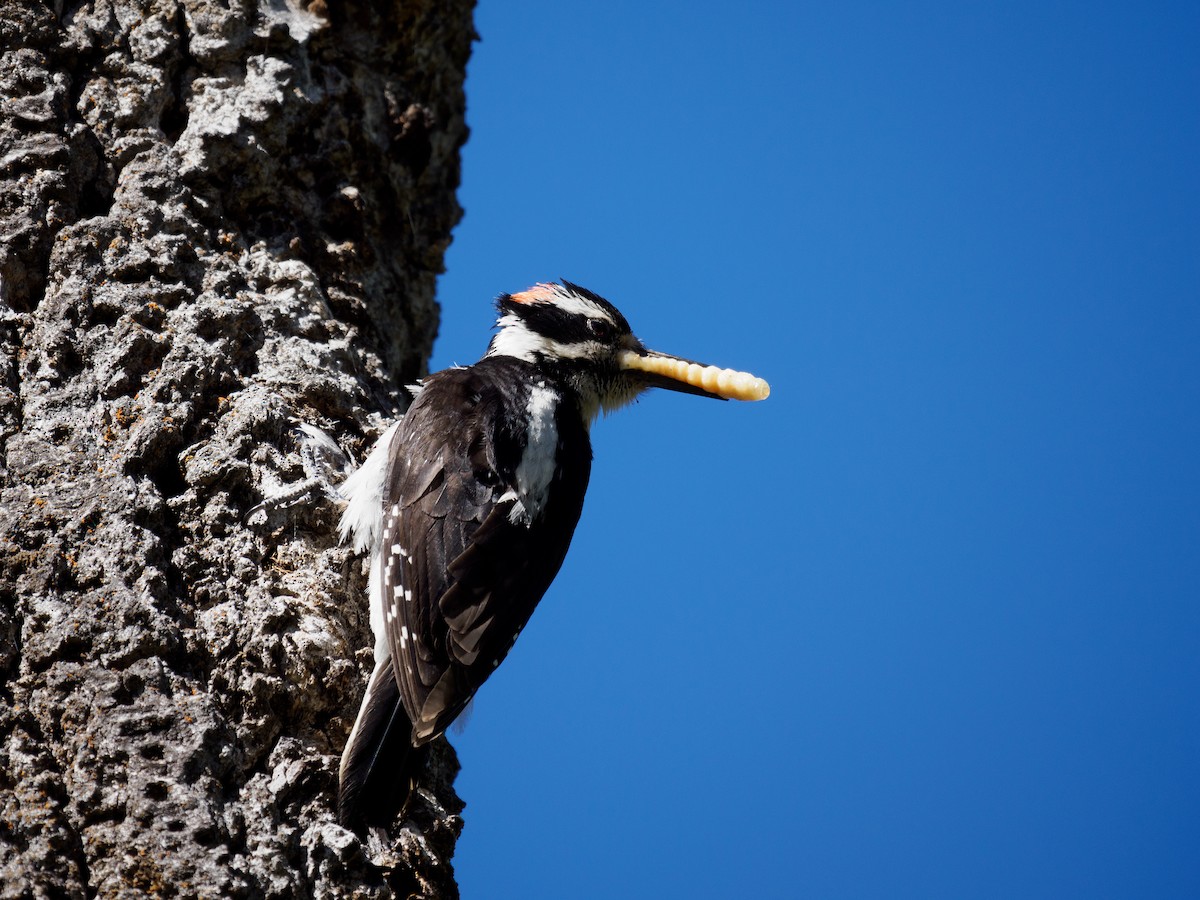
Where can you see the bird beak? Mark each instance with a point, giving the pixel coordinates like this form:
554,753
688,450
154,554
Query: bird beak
675,374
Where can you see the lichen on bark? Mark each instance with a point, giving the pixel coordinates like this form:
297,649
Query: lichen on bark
217,219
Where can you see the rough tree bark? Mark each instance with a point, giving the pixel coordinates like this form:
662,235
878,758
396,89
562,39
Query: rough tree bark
218,217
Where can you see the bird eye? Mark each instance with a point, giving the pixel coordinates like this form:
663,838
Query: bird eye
600,329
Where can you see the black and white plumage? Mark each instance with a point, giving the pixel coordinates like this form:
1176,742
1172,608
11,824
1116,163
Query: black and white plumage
468,505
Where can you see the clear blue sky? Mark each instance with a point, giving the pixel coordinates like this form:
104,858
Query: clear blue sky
926,623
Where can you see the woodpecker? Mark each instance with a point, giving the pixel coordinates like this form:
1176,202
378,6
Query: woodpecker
468,504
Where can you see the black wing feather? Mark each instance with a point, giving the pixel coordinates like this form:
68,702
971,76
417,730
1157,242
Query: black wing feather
474,575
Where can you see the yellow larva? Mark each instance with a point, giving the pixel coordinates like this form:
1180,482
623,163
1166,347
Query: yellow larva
727,383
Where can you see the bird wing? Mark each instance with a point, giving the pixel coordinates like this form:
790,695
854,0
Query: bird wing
461,574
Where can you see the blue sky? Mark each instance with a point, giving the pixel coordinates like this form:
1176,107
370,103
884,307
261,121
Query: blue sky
926,623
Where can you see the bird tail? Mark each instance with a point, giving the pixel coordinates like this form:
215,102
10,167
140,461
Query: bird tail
379,765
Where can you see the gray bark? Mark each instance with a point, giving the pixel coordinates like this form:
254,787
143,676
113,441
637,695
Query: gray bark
218,218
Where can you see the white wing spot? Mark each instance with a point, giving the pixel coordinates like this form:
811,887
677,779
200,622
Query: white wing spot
397,550
517,515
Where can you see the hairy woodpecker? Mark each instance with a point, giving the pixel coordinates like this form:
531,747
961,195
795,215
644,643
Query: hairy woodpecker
468,504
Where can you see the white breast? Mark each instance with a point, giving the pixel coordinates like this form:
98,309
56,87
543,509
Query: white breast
362,519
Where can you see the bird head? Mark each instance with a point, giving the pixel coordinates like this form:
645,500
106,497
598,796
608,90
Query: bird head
583,341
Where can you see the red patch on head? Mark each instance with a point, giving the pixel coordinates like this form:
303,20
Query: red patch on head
539,293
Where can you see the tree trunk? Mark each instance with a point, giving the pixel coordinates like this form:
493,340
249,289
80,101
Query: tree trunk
218,218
